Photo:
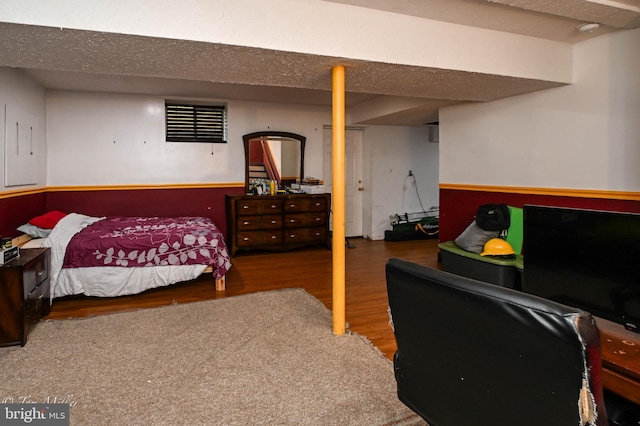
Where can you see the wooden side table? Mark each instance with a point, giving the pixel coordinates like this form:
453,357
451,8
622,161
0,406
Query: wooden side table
24,294
620,353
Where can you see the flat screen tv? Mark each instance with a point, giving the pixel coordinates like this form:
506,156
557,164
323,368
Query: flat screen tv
588,259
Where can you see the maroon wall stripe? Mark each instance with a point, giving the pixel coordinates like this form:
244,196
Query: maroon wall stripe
15,211
207,202
458,207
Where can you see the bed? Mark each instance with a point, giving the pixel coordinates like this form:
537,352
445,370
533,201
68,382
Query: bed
120,255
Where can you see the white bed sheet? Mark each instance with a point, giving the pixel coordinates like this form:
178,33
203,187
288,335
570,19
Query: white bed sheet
110,281
104,281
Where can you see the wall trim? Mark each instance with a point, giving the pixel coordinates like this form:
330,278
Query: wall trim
21,192
144,187
558,192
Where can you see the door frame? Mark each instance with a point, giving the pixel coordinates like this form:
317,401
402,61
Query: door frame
354,209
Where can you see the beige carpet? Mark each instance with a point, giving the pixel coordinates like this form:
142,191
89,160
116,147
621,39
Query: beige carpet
265,358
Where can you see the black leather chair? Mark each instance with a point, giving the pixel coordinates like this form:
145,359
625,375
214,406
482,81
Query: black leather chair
472,353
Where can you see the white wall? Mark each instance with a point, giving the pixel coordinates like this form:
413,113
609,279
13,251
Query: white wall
116,139
389,153
20,93
113,139
582,136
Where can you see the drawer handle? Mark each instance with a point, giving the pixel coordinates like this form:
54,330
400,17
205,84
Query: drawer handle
292,235
317,204
245,239
40,273
273,221
273,237
273,206
317,219
317,234
292,205
245,223
292,221
245,207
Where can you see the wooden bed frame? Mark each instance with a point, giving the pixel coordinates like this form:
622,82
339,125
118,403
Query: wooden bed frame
220,282
21,240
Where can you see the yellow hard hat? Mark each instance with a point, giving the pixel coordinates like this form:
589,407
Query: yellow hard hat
497,247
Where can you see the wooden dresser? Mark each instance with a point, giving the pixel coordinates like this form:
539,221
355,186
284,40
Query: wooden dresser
24,285
277,222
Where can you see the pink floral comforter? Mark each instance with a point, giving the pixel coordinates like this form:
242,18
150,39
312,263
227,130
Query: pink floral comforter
149,241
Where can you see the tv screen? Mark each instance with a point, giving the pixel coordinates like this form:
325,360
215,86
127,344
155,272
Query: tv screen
588,259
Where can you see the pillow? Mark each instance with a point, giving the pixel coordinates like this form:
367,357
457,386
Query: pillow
34,231
47,220
473,238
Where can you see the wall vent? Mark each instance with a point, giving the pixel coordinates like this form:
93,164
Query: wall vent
433,135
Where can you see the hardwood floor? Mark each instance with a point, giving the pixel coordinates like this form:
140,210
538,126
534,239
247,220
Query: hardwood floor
366,297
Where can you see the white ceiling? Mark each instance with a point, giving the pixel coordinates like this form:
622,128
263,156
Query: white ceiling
108,62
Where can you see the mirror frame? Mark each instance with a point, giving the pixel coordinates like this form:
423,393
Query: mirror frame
248,137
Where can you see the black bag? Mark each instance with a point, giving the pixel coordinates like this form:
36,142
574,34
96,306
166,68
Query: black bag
493,217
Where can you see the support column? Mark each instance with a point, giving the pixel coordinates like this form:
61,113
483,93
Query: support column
338,202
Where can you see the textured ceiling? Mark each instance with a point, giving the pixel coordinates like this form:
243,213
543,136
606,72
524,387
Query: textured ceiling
548,19
107,62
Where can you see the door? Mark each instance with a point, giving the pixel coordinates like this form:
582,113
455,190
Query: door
353,177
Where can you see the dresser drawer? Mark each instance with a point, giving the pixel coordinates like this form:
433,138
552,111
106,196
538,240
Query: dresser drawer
259,238
35,273
305,235
38,301
258,206
250,223
309,204
303,220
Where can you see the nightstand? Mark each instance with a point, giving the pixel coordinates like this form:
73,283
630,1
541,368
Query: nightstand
24,294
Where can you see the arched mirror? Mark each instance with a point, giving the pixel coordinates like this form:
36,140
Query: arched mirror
277,156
